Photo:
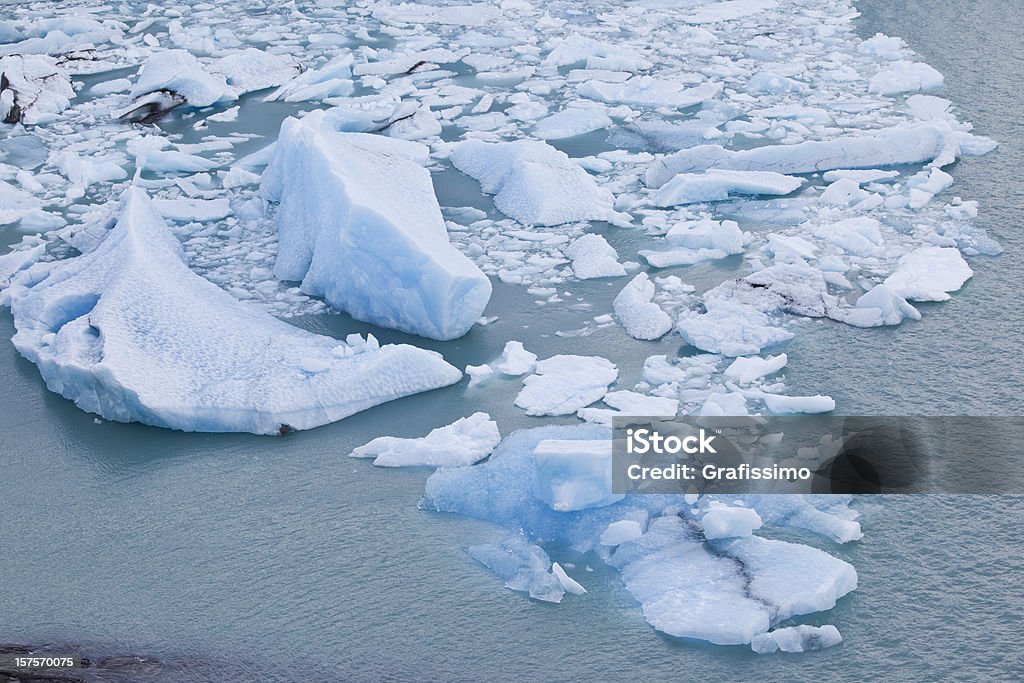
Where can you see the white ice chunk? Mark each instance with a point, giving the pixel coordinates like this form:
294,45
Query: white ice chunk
568,583
900,77
881,306
724,236
533,182
35,89
179,72
251,69
648,91
593,257
623,531
929,273
716,185
746,370
725,521
516,360
570,122
151,154
728,10
793,405
800,638
573,474
333,79
463,442
127,331
563,384
15,203
730,329
895,146
186,210
636,310
360,226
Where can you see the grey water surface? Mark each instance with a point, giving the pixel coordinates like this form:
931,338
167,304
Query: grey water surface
242,558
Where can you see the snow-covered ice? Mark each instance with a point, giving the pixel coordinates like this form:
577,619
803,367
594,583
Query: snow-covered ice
34,89
515,360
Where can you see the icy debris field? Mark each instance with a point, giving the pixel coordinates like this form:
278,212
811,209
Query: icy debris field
175,182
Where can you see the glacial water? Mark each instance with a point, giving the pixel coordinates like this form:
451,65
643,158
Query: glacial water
235,558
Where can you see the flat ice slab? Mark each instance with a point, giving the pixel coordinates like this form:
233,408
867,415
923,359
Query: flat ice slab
533,182
921,143
716,185
463,442
128,332
359,225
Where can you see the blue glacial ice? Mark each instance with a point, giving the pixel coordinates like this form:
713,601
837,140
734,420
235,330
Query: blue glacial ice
128,332
359,225
690,562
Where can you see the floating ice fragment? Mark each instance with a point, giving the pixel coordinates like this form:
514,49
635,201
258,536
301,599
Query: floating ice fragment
563,384
899,145
524,566
359,225
929,274
801,638
33,89
463,442
725,521
592,257
636,310
516,360
717,185
127,331
568,583
746,370
623,531
533,182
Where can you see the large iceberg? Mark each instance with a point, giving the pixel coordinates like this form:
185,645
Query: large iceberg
359,225
127,331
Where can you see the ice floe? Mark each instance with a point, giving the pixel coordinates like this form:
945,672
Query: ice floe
563,384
